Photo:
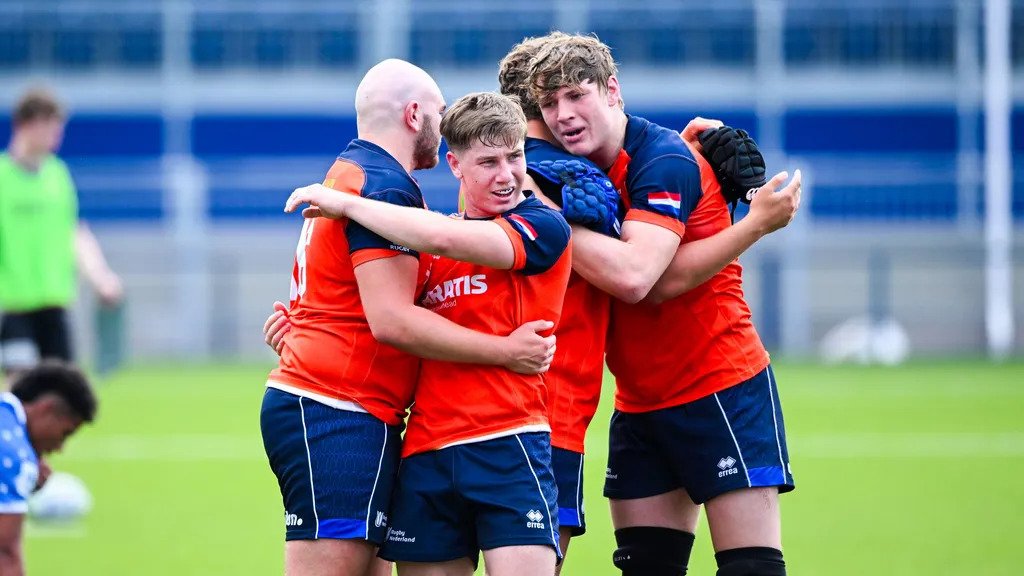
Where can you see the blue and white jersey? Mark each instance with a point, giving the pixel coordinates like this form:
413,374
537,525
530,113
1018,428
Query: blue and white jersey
19,465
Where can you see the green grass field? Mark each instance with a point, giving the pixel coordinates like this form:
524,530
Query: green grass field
905,471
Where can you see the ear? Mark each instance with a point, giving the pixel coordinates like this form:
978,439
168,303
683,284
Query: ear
614,94
49,404
453,164
413,116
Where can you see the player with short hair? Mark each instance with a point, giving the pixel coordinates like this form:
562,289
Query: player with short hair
575,378
333,411
46,405
42,239
476,469
576,374
697,417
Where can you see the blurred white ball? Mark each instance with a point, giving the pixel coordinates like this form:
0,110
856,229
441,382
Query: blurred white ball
862,341
63,497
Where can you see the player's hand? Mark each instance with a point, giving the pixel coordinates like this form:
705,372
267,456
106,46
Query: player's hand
693,129
736,160
772,210
277,325
588,196
44,473
527,351
109,289
323,201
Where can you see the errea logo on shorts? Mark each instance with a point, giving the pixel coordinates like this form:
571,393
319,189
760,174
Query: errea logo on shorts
381,520
292,519
726,465
535,519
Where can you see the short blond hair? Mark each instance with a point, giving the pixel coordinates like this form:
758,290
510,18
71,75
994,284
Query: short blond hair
514,71
570,60
487,117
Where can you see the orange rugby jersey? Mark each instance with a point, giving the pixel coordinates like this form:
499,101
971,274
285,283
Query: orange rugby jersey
702,341
575,377
577,372
330,354
459,403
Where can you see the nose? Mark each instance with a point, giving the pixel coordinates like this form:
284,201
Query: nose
564,111
505,173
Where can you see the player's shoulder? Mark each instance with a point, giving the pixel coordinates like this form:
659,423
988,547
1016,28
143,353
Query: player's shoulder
366,167
539,222
11,410
532,208
647,141
538,150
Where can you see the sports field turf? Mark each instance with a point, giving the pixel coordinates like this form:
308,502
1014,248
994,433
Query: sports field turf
904,471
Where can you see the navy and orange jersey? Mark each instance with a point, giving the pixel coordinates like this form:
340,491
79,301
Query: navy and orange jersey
702,341
575,377
457,403
330,354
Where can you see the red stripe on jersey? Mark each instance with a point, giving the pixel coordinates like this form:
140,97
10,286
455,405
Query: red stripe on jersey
530,232
674,197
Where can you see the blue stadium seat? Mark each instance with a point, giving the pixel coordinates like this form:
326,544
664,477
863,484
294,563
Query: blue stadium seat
74,48
893,202
471,39
140,48
14,48
336,48
273,47
208,47
861,43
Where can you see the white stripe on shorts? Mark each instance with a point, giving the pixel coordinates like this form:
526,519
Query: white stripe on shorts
778,441
579,493
380,464
735,443
551,519
309,460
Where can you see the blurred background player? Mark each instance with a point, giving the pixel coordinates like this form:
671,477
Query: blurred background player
46,405
42,239
575,378
333,411
674,443
476,472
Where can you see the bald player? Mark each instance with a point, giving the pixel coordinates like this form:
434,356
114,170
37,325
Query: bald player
333,410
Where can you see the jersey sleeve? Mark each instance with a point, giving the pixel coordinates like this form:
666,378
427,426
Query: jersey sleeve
664,191
365,245
539,237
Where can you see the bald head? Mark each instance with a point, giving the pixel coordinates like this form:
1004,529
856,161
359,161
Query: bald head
387,89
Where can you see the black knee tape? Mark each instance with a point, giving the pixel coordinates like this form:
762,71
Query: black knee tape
754,561
652,551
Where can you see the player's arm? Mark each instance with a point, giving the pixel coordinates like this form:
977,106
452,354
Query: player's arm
627,268
387,289
11,561
94,266
481,242
662,193
696,262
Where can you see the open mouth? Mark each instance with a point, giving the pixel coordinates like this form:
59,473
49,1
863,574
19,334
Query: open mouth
572,135
504,192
